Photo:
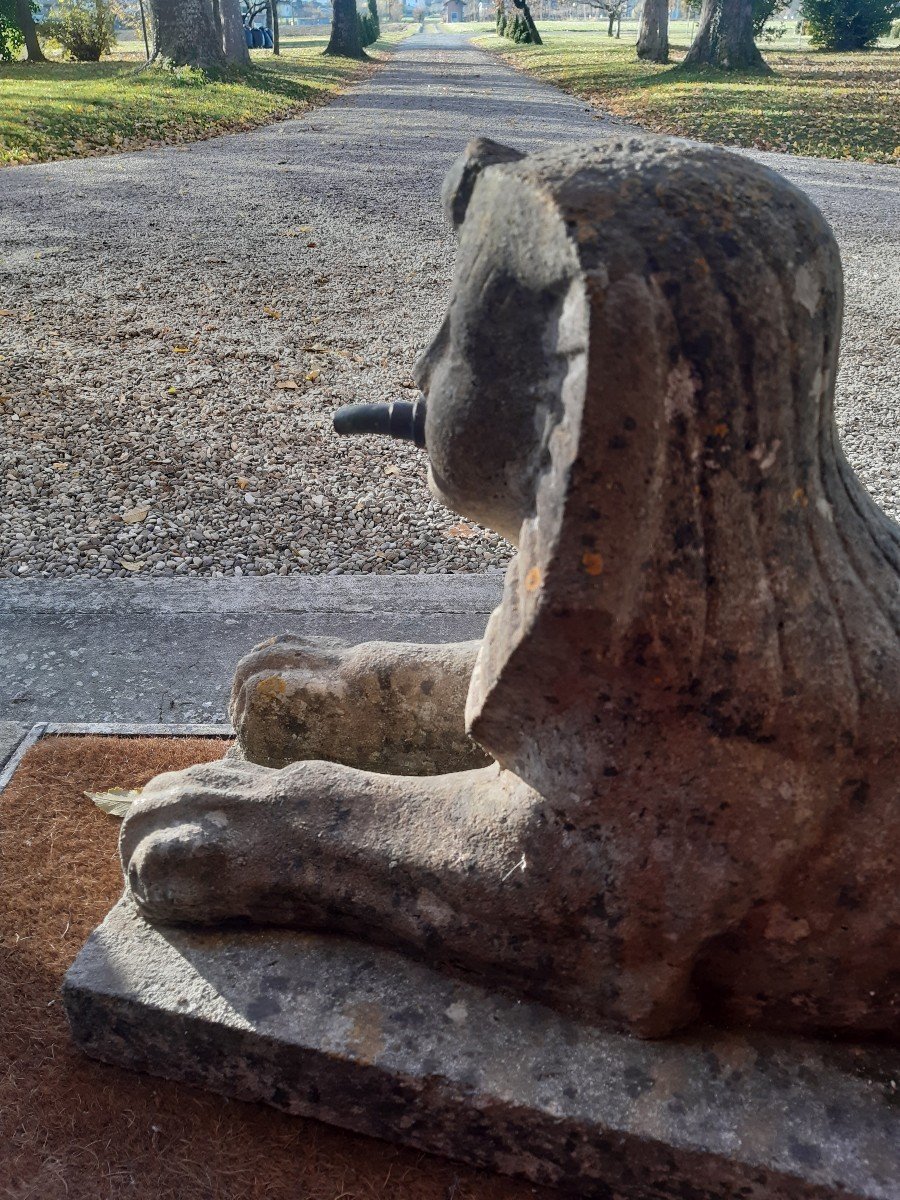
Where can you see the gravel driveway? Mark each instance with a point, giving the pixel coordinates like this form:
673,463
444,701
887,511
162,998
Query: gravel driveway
152,303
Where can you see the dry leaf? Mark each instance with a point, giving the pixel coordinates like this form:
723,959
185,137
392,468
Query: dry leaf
392,470
312,376
286,383
6,312
129,565
462,530
272,313
242,481
135,514
181,349
117,801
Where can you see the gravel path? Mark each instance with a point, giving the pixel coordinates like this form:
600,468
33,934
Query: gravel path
153,302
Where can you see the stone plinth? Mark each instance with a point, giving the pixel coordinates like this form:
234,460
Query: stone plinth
365,1039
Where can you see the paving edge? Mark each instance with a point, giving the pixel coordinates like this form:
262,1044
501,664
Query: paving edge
456,593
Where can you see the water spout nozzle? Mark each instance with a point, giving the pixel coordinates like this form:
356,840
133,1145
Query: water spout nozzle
402,419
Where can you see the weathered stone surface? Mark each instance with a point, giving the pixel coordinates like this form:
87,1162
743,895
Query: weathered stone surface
691,687
365,1039
379,706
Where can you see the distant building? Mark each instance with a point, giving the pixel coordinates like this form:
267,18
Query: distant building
453,10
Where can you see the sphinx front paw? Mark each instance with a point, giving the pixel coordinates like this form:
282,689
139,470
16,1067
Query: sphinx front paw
181,843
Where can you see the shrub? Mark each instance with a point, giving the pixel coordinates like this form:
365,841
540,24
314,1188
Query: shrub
11,38
848,24
515,27
368,26
84,28
895,31
376,23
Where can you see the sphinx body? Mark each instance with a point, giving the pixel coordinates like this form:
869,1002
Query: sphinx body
663,788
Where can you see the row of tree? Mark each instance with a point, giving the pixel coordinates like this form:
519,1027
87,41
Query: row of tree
208,34
724,38
205,34
728,29
727,32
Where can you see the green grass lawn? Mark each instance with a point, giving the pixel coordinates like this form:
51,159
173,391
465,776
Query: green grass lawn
68,110
820,104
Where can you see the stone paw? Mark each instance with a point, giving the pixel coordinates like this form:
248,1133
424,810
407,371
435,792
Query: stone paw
181,843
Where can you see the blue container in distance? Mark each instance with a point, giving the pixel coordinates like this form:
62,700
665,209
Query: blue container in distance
248,37
268,41
258,41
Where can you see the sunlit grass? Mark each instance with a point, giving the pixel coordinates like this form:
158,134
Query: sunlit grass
66,110
818,104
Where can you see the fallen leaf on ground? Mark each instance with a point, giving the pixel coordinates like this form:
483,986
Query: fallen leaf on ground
287,383
135,514
117,801
272,313
129,565
242,481
312,376
392,470
462,530
181,349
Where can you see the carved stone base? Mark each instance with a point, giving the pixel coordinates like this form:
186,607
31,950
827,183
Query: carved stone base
367,1040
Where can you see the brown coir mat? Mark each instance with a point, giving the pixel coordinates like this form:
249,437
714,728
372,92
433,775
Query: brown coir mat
72,1129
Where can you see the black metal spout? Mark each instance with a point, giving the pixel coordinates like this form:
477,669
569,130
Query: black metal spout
402,419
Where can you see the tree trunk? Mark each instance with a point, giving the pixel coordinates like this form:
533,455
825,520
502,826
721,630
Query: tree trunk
536,39
186,34
653,39
273,22
233,41
26,23
725,38
345,40
611,27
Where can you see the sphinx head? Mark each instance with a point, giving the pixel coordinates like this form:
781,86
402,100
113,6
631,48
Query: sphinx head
633,383
495,371
631,282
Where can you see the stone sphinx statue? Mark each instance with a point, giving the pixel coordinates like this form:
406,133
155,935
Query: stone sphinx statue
664,786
